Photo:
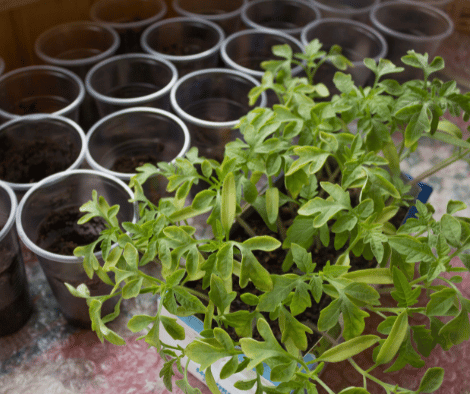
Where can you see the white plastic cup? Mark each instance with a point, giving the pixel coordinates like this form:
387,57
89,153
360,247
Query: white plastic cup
357,10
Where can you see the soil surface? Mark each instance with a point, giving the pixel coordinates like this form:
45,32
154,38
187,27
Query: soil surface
128,164
60,233
31,161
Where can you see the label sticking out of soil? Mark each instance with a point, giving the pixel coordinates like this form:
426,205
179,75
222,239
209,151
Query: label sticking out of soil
60,233
30,161
128,164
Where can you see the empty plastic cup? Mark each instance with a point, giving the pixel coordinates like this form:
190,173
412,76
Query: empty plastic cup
46,220
410,25
129,18
40,89
225,13
211,102
357,41
35,146
287,16
190,44
127,139
15,302
131,80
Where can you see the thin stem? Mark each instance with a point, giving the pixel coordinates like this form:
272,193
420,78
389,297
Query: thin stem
245,226
437,168
316,378
281,229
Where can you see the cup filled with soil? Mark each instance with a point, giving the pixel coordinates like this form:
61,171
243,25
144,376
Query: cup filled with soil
210,102
15,302
40,89
129,18
190,44
47,224
131,80
127,139
35,146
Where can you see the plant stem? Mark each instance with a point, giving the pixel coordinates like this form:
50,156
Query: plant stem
281,229
316,378
437,168
245,226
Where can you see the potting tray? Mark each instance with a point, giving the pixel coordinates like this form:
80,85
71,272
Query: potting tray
49,356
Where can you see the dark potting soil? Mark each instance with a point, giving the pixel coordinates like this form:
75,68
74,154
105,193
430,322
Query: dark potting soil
128,164
31,161
60,233
15,303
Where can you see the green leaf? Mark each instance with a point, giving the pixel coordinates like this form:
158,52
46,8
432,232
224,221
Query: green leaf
363,293
403,293
262,242
282,285
457,330
418,124
349,348
219,295
431,380
455,206
329,315
210,381
406,356
139,322
132,288
410,247
393,342
376,276
272,204
354,390
451,229
228,203
293,330
353,318
190,304
441,301
229,368
225,260
326,210
173,328
206,352
252,269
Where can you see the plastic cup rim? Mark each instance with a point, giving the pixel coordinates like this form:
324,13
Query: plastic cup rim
21,187
203,123
76,62
344,11
296,30
373,31
256,73
13,207
183,58
391,32
54,179
64,111
218,17
136,100
127,25
125,176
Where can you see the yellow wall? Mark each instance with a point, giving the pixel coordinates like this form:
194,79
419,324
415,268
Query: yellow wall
20,26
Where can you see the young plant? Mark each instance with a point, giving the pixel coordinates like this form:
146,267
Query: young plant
332,168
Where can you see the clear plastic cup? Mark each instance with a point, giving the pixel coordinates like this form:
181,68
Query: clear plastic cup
131,80
77,46
350,9
225,13
211,102
40,89
357,41
410,25
15,301
129,138
129,18
442,4
53,196
190,44
287,16
35,146
247,49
